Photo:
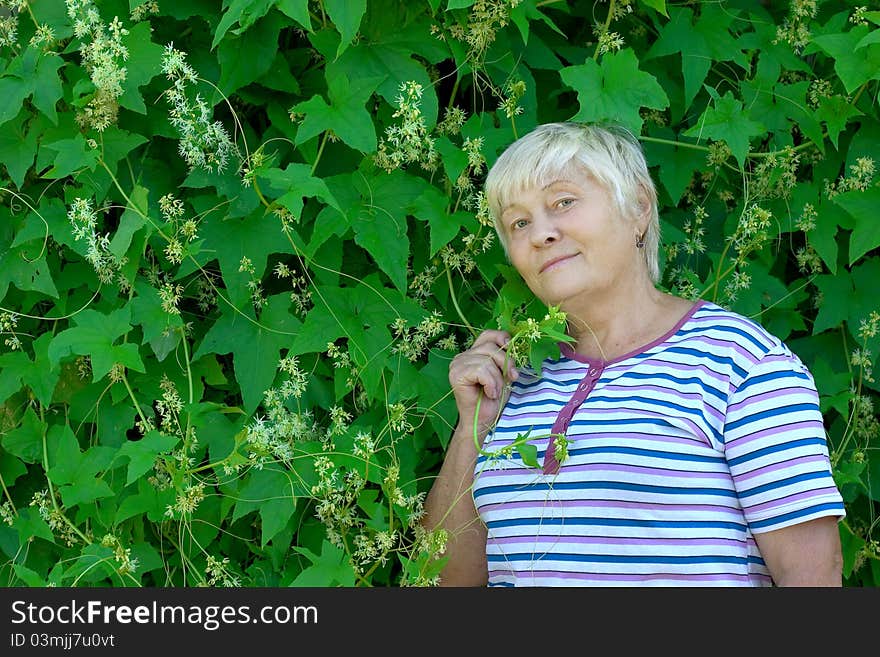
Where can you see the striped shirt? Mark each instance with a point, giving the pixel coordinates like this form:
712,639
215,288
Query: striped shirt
678,454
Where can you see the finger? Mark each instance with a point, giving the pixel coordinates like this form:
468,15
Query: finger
478,371
490,337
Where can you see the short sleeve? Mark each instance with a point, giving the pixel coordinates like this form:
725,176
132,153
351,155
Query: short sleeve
776,445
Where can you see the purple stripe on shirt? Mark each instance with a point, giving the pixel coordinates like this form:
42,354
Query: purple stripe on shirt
614,540
774,431
586,505
626,577
765,396
785,465
785,501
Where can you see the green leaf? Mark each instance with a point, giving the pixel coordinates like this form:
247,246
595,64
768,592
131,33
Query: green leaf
19,267
94,335
46,84
862,207
835,292
30,525
851,472
142,453
161,329
40,375
149,500
330,568
255,345
260,43
346,115
381,223
458,4
678,36
524,13
26,440
29,577
853,65
68,464
130,222
294,184
298,10
11,468
271,491
360,314
836,112
433,206
727,121
614,90
346,16
11,365
529,454
232,239
18,146
396,64
85,490
13,91
676,164
73,155
823,237
243,12
658,5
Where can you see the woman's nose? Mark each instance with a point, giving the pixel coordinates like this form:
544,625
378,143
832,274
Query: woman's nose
545,230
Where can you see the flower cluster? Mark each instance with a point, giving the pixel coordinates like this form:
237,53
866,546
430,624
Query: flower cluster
204,143
776,174
453,120
217,573
144,10
102,52
485,19
54,517
271,438
7,513
180,231
9,10
409,142
342,361
301,296
84,220
514,90
187,501
751,231
44,36
126,565
8,322
795,30
861,174
414,342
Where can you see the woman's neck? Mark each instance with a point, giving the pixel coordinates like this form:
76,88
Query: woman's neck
608,328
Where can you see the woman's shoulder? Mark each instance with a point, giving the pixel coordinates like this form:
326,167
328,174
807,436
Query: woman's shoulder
711,319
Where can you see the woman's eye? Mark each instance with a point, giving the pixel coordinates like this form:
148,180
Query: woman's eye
520,223
564,203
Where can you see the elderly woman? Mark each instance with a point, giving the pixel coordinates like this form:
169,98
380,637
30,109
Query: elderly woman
695,449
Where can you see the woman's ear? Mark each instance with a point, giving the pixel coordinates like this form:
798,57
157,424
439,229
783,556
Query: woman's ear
643,215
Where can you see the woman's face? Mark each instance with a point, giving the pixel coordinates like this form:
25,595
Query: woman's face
569,242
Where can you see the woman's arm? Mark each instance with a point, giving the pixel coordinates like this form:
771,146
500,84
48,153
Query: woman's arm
478,378
806,554
450,505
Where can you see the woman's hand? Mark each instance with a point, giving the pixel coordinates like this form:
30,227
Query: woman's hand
486,368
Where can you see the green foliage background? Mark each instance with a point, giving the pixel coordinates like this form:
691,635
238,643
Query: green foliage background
150,298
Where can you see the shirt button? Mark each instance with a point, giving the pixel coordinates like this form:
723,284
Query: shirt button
583,387
593,371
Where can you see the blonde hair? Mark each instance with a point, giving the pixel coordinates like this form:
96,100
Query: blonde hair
611,154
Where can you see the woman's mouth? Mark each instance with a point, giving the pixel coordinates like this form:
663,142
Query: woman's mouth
555,261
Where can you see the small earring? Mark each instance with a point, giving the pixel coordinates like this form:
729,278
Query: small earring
640,243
